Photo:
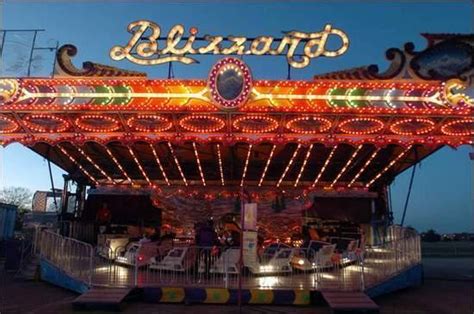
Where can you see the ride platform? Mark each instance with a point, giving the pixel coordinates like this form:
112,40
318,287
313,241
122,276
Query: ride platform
350,302
102,298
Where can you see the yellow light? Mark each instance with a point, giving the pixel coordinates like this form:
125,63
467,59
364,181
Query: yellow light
346,165
94,164
388,166
220,163
246,165
289,165
158,161
266,165
364,166
74,161
146,46
324,166
117,163
308,153
198,161
139,165
177,164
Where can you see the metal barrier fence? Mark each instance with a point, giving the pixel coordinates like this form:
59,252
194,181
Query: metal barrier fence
83,231
219,268
390,258
141,265
70,255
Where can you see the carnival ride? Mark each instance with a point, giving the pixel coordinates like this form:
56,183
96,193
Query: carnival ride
276,259
348,249
109,244
178,259
316,255
281,144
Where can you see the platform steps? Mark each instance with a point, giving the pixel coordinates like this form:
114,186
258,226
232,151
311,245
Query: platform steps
350,302
29,268
98,298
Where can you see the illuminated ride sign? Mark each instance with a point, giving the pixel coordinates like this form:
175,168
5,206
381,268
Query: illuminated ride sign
143,48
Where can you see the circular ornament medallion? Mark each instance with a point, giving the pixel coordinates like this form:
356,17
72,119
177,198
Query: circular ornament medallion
308,125
97,123
9,90
360,126
462,127
230,83
149,123
7,125
201,123
412,126
45,123
255,124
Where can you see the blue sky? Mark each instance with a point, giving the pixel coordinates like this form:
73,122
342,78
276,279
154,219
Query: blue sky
442,195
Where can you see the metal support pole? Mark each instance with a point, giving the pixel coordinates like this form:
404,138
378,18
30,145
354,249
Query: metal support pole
51,179
410,186
241,257
373,222
28,73
135,272
55,58
3,43
63,210
80,199
64,196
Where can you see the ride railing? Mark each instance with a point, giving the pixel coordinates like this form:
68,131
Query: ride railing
193,266
83,231
390,258
70,255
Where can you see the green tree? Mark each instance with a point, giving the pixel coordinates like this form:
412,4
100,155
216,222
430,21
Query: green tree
431,236
20,197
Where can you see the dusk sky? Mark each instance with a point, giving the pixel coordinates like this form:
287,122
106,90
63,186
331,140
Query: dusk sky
442,196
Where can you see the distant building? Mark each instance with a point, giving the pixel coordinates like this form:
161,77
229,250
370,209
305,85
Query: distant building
44,201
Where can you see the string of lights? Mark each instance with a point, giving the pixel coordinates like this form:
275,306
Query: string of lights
74,161
81,151
177,164
361,170
464,127
124,173
139,165
269,160
388,166
246,165
418,126
346,165
324,167
220,163
198,161
289,165
158,161
303,166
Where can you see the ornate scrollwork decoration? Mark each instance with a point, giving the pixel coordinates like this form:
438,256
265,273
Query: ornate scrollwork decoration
453,92
9,90
447,56
445,60
398,61
64,66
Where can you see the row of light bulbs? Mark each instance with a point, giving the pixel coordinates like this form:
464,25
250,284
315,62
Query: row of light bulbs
49,123
321,172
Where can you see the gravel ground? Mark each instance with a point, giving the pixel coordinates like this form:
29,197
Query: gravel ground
451,290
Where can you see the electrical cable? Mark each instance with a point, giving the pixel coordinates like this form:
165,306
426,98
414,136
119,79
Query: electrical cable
409,188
